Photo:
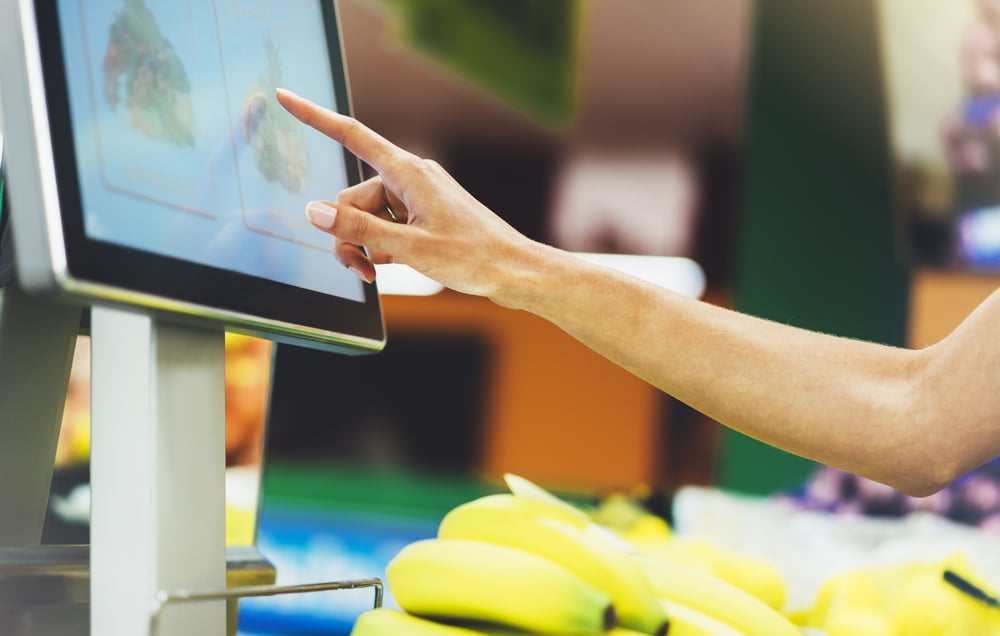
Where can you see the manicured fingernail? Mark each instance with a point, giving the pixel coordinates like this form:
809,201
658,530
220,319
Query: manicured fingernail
357,272
321,215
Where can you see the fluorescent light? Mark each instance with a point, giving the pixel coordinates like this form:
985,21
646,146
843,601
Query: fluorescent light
402,280
676,273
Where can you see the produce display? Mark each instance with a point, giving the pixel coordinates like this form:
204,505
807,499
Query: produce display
909,598
525,562
973,499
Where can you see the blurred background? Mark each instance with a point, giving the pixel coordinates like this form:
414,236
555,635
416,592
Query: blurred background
775,142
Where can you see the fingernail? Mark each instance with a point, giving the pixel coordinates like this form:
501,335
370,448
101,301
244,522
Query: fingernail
321,215
357,272
285,91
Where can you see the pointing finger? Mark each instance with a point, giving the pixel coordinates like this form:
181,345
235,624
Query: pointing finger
368,145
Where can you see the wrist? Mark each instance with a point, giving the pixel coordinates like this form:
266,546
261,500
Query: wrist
530,280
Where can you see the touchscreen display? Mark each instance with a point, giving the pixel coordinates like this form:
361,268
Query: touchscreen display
182,149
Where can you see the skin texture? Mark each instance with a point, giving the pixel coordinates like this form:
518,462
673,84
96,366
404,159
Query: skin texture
913,419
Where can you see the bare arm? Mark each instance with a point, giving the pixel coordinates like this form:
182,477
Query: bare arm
913,419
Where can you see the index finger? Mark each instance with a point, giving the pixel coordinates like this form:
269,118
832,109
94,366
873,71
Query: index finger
369,146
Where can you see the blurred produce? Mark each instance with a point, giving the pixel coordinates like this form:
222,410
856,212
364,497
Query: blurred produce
248,368
973,499
908,599
651,536
531,562
465,580
543,529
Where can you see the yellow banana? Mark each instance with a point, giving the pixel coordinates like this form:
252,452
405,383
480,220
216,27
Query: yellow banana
533,507
686,621
855,592
516,522
905,599
860,622
754,574
525,489
465,580
383,621
715,597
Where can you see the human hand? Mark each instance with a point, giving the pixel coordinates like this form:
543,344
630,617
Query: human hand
413,213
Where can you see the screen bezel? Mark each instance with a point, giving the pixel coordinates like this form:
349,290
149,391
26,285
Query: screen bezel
244,303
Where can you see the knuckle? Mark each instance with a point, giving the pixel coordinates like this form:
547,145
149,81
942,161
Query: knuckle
361,227
428,169
431,166
352,129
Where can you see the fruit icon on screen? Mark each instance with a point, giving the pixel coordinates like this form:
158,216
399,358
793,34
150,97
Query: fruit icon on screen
276,139
143,73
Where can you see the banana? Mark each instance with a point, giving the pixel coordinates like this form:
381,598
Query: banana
523,488
858,593
685,621
465,580
861,622
533,507
754,574
383,621
515,522
909,598
717,598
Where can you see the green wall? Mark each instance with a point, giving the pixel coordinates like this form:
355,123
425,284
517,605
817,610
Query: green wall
817,241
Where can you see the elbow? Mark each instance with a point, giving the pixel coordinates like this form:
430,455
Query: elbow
931,475
920,488
931,458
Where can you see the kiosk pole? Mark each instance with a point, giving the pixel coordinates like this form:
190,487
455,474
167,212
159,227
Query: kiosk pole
157,473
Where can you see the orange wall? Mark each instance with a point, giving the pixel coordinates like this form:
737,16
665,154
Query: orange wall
939,300
557,412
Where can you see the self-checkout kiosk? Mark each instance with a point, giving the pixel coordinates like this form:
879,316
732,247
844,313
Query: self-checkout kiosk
153,199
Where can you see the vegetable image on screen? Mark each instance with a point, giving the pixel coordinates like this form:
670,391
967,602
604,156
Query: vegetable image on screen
142,71
279,147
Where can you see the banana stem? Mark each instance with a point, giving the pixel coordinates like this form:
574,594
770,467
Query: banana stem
970,588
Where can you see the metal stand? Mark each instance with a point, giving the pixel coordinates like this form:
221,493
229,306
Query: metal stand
157,522
157,472
201,596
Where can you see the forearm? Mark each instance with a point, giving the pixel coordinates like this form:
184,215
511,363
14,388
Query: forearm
839,401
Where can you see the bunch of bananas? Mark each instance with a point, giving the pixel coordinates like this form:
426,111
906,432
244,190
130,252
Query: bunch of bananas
651,536
510,563
935,598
